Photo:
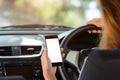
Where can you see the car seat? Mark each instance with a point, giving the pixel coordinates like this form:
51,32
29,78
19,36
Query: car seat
101,65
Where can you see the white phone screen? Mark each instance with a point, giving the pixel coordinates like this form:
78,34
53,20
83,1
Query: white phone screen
54,52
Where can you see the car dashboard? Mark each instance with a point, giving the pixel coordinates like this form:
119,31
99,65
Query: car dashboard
22,46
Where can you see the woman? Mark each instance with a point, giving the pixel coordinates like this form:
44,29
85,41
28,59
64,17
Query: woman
111,20
110,36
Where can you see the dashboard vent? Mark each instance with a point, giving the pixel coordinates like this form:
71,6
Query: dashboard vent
30,50
19,50
5,51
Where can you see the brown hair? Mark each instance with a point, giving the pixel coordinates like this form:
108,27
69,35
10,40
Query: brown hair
111,20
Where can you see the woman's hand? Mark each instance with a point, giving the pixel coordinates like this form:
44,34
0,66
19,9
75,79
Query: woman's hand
96,21
48,70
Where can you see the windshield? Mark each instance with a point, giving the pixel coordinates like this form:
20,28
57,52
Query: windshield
72,13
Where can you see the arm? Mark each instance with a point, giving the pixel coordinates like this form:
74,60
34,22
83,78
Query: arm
48,70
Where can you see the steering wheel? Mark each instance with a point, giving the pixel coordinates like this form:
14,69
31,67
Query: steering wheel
79,38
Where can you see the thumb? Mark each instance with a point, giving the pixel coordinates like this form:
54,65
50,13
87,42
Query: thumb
45,54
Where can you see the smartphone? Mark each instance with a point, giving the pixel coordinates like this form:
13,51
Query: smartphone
54,52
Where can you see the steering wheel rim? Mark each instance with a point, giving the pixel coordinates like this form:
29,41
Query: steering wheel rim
65,42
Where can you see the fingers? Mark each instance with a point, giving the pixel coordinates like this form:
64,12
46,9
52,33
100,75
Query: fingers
45,53
94,31
62,49
63,54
